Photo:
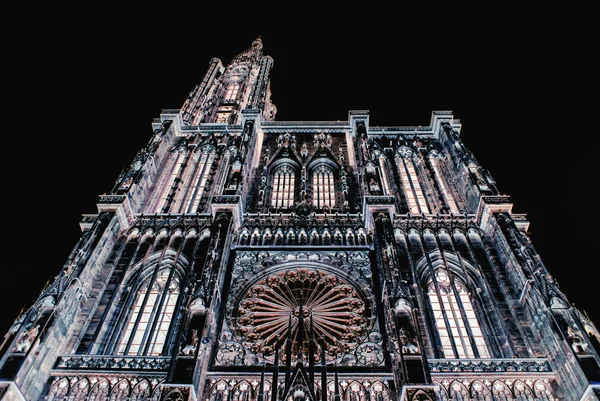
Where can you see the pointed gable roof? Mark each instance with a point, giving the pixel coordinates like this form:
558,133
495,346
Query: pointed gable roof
300,378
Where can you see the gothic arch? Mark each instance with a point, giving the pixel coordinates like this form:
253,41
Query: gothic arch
379,391
322,161
59,390
144,270
441,391
501,391
120,390
449,261
458,391
420,395
406,152
290,238
153,282
242,391
356,391
543,391
284,161
522,391
480,392
141,391
455,310
100,390
79,390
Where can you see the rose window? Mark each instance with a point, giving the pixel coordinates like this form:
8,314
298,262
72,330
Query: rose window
334,313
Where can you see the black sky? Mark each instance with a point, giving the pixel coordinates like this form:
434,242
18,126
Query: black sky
82,91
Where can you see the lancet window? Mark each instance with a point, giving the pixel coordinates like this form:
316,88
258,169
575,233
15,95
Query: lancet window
151,313
232,91
200,180
283,187
169,180
323,187
455,318
405,159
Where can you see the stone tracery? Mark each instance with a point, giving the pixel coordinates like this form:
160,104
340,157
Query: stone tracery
326,295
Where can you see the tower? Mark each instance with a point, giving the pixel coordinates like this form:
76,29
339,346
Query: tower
239,257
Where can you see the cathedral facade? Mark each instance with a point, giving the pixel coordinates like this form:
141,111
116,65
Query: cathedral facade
241,258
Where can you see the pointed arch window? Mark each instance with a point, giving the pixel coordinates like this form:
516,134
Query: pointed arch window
200,180
283,187
405,159
145,331
232,91
454,318
170,179
323,187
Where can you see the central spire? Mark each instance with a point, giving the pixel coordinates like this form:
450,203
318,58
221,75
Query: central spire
253,54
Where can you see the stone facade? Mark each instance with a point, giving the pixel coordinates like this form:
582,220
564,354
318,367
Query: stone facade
243,258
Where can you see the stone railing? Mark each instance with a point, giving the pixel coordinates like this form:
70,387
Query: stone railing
446,221
496,199
285,220
268,124
169,111
104,199
520,365
111,362
226,199
379,200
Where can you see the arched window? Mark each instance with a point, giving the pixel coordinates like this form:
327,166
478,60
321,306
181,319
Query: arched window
202,169
151,314
283,187
232,91
405,159
454,317
169,179
323,187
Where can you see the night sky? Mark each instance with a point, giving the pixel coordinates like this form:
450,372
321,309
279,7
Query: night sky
82,92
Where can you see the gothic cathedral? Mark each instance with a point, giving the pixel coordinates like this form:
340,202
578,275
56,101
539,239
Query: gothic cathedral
241,258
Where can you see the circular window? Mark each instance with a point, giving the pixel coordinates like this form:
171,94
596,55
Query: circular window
323,305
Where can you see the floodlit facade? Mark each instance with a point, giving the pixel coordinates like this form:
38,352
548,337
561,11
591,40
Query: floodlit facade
241,258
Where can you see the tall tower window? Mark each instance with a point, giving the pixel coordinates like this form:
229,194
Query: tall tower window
200,181
283,187
151,313
453,328
223,114
169,179
410,181
323,187
232,91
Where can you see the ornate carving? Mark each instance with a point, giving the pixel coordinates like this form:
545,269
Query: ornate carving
337,305
111,199
449,222
226,199
496,199
92,362
379,200
489,365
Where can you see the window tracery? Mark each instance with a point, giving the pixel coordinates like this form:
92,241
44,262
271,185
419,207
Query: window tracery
201,179
446,299
282,196
411,186
323,188
332,308
151,314
232,91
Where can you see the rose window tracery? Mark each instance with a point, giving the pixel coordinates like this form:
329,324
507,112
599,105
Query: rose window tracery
339,315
